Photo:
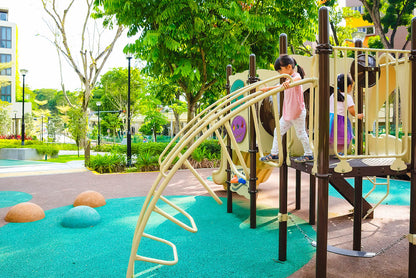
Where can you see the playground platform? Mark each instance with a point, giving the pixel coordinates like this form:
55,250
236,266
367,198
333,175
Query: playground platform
60,188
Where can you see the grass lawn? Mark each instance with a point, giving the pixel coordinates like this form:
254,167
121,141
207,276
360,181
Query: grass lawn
65,158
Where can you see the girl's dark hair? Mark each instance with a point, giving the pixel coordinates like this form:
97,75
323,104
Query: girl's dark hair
341,85
284,61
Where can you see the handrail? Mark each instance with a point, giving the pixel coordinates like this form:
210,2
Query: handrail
387,61
195,129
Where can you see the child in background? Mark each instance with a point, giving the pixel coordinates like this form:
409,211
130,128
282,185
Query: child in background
294,112
341,112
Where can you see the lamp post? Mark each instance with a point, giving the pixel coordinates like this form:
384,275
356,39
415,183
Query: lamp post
42,128
15,124
99,132
23,72
128,116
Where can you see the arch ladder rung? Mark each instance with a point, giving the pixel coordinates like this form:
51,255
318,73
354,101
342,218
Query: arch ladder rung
192,229
158,261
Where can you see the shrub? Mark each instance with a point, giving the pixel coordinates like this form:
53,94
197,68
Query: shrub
146,161
108,163
46,149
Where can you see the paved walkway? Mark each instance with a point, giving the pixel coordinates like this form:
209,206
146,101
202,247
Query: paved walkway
15,168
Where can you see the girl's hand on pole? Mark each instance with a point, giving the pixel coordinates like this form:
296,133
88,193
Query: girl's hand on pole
286,84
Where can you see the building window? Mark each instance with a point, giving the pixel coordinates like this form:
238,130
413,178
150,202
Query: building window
370,31
367,30
359,9
6,93
5,58
3,16
5,37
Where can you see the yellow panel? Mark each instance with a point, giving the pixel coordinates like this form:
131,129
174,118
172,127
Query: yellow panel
387,78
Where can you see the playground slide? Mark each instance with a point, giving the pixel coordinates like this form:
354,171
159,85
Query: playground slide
263,171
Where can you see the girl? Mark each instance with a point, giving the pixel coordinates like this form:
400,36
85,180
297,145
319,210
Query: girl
294,112
341,112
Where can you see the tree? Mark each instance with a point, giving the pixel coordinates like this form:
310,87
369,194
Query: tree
191,42
92,56
5,123
76,125
154,120
389,15
169,95
112,90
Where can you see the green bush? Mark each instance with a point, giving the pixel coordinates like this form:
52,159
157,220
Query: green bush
199,154
108,163
211,147
146,161
46,149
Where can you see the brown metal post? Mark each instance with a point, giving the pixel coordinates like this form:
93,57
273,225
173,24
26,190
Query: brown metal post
252,149
358,181
298,188
358,43
412,223
229,150
312,199
283,172
323,50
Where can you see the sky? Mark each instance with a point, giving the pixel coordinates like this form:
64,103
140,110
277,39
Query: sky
38,55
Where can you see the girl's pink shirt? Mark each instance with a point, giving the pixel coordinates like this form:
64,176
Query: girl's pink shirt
293,102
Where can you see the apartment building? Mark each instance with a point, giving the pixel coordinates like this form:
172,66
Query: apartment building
8,53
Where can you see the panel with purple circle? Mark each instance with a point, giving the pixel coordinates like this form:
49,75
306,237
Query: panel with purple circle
239,128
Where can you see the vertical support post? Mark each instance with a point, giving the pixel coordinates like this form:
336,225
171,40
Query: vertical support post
15,125
99,127
358,213
23,111
358,43
252,149
358,181
283,172
128,115
412,223
42,128
323,50
312,199
298,187
229,150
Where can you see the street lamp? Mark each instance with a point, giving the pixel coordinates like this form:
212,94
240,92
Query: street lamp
98,105
23,72
128,116
358,35
42,128
15,124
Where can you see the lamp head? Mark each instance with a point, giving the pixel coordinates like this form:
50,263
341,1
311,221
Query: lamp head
98,103
23,71
359,35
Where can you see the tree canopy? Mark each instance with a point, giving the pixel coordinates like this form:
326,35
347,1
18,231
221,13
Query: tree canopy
389,15
191,42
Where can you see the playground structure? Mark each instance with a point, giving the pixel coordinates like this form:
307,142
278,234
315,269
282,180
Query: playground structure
378,74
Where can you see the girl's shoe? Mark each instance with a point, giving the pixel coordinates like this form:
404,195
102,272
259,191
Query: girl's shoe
269,157
304,158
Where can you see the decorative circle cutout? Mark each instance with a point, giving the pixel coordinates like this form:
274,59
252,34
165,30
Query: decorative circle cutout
238,84
371,68
239,128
